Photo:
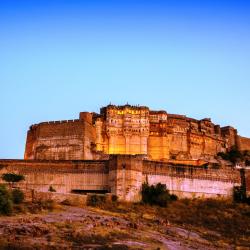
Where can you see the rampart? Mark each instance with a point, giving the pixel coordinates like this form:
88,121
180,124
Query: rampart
63,176
123,176
131,130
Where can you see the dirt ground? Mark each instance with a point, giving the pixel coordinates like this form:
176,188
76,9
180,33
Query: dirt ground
93,228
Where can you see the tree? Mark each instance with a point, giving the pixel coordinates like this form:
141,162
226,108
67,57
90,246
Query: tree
5,201
156,195
12,178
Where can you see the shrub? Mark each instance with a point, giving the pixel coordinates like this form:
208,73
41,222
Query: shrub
47,204
5,201
51,189
156,195
173,197
66,202
17,196
12,177
96,200
247,162
114,198
238,195
224,156
233,155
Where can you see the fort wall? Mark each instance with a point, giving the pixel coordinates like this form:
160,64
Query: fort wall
123,175
191,181
60,140
244,143
64,176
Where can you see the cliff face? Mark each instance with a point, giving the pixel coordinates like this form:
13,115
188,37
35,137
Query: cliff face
131,130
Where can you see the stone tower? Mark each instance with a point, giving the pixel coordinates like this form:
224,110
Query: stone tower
125,129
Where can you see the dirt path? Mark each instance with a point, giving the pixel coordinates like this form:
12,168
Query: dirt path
88,228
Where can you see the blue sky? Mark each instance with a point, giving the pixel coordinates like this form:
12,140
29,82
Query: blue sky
58,58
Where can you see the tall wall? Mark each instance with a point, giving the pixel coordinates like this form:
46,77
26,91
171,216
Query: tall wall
60,140
244,143
190,138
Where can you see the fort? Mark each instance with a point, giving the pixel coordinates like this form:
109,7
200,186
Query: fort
131,130
122,147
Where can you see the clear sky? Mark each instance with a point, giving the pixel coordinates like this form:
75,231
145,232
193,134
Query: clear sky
58,58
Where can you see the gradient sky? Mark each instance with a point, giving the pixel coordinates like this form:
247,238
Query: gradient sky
58,58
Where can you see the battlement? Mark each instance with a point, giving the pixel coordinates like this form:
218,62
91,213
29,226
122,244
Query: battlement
34,126
110,106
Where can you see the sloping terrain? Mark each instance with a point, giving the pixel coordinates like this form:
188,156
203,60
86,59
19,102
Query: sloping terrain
117,226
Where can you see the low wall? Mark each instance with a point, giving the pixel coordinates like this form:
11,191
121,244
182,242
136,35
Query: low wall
123,175
192,181
73,199
63,176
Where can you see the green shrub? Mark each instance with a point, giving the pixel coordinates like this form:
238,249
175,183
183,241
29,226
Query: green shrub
224,156
156,195
12,177
5,201
17,196
114,198
51,189
173,197
238,194
96,200
47,204
234,155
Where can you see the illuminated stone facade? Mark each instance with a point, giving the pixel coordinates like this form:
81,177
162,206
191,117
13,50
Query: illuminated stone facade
131,130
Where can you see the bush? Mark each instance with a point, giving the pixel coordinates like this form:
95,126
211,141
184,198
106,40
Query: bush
224,156
96,200
173,197
237,194
114,198
17,196
66,202
5,201
12,177
233,155
156,195
51,189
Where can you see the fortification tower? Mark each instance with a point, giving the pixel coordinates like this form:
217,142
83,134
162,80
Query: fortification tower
125,129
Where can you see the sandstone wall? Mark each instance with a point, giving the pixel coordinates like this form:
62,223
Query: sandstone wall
64,176
248,182
123,176
62,140
158,147
131,130
74,199
244,143
191,181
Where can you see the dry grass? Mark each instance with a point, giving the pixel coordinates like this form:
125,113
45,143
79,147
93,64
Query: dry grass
215,219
